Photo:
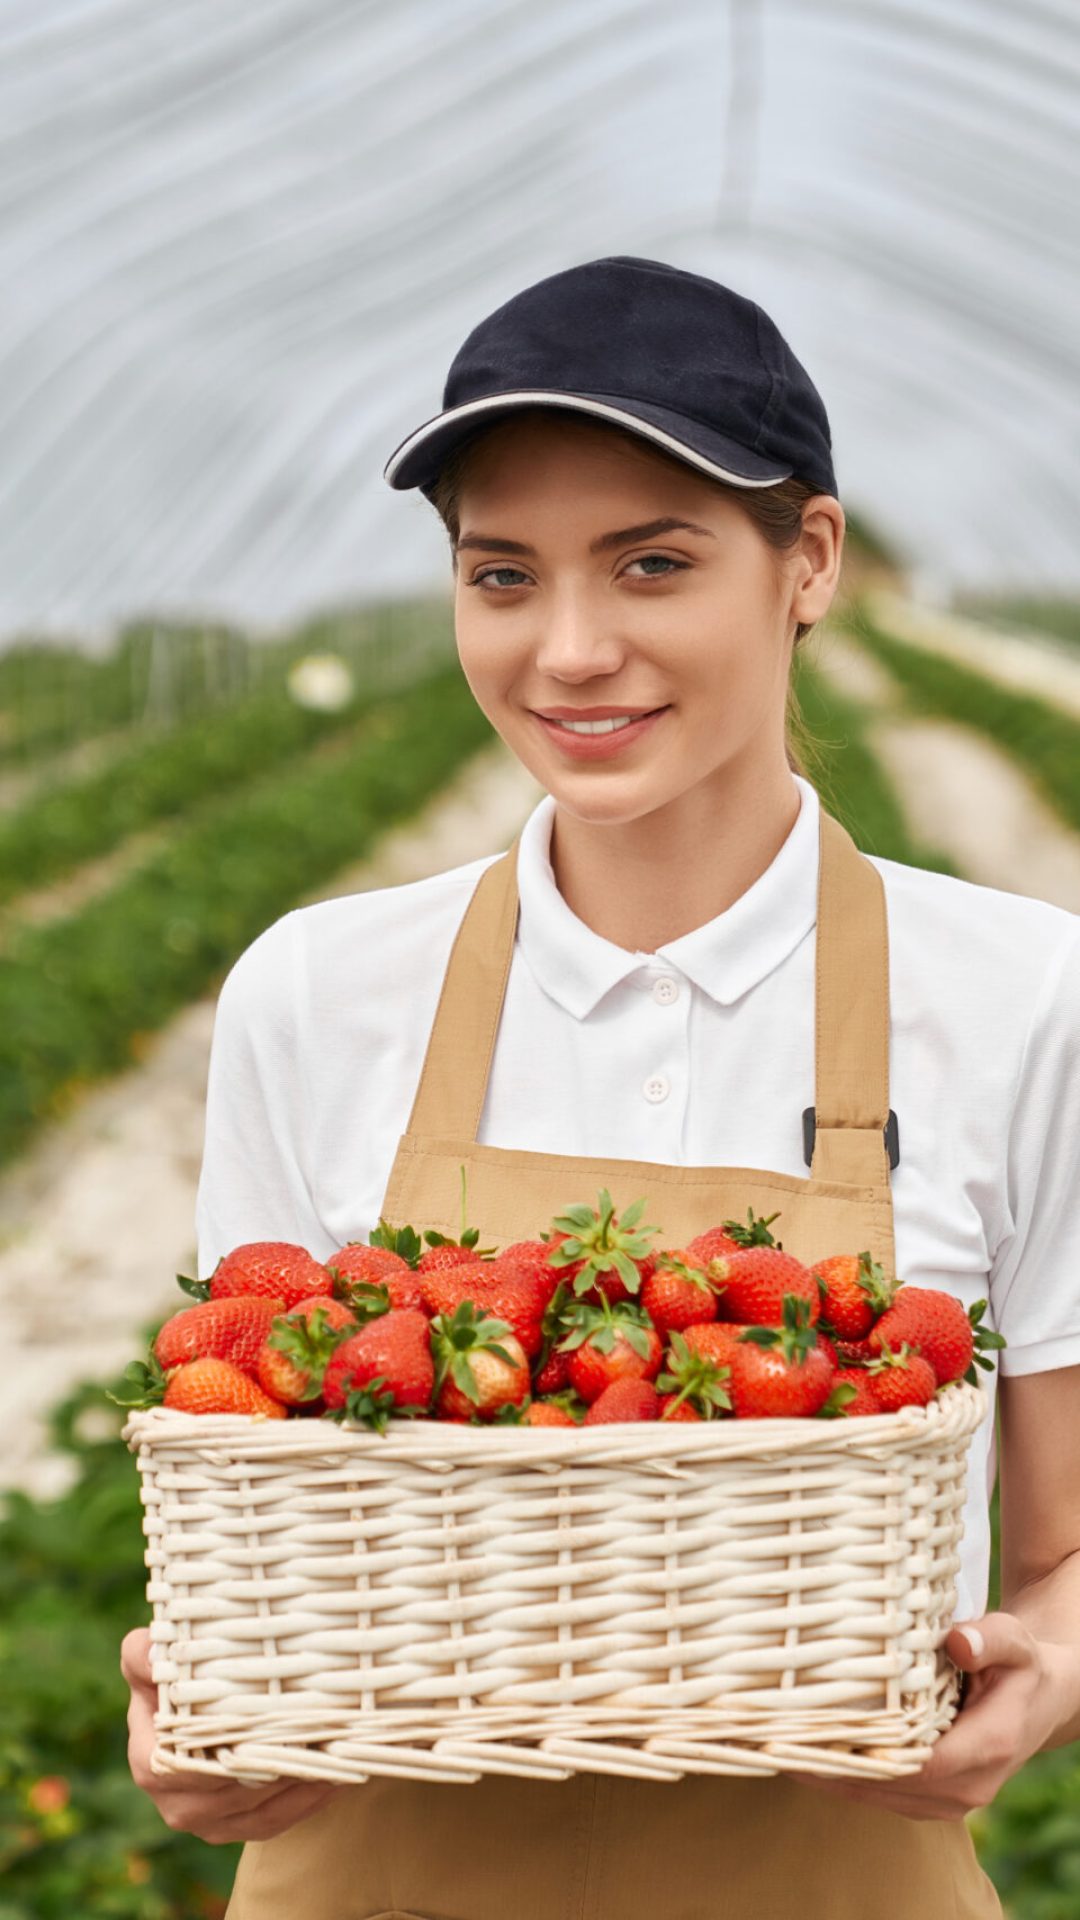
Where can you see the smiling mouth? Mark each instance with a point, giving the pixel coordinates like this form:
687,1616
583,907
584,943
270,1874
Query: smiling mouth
612,725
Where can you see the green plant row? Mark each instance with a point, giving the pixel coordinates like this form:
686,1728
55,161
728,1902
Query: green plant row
1042,739
833,737
1059,618
75,994
160,673
163,773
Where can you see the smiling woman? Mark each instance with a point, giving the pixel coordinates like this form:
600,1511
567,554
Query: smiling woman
681,960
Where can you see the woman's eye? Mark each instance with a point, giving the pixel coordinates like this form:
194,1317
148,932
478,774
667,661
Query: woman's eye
642,560
664,560
491,572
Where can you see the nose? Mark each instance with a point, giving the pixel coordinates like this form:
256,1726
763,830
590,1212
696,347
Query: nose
575,643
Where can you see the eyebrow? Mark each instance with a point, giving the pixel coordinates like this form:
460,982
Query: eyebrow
605,540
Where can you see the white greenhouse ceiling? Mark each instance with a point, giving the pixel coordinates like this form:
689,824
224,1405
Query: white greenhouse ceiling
241,242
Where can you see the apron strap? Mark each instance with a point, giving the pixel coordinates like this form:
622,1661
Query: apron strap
851,1102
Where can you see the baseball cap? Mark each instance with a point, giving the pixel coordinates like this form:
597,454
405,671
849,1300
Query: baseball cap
678,358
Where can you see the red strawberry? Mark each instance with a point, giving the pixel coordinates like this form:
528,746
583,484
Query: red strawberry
546,1413
391,1359
674,1407
714,1339
554,1375
291,1363
607,1343
359,1269
624,1399
677,1293
852,1353
902,1379
706,1246
275,1268
479,1364
854,1291
444,1255
227,1329
216,1386
828,1346
781,1370
936,1325
500,1290
530,1258
696,1378
605,1252
751,1285
863,1396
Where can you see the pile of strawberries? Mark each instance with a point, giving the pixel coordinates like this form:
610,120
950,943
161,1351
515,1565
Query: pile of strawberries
586,1324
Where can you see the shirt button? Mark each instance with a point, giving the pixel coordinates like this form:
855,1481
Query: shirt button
656,1088
665,991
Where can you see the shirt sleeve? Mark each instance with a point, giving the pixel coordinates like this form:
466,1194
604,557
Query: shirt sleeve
252,1182
1035,1277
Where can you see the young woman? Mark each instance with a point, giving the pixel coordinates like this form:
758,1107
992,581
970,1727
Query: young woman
682,981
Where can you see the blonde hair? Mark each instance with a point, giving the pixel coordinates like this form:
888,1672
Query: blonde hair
775,511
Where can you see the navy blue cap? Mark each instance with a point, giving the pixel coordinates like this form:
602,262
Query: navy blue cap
685,362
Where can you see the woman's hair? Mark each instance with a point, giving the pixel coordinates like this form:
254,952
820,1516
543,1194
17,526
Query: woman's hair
776,512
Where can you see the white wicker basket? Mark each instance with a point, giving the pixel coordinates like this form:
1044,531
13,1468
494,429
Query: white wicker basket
441,1602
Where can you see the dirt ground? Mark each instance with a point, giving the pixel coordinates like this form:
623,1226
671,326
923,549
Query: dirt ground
98,1217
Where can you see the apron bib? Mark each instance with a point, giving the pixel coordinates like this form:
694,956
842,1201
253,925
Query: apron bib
601,1846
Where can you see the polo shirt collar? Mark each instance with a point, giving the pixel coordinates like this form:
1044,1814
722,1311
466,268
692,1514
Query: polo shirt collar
725,958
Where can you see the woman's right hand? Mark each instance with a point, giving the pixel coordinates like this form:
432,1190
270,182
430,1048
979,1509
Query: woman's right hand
212,1807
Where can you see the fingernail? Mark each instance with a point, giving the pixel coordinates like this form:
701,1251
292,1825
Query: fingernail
974,1639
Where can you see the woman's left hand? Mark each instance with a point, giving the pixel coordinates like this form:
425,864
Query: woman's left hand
1019,1691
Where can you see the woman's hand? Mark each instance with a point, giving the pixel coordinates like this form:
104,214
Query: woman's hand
1013,1703
212,1807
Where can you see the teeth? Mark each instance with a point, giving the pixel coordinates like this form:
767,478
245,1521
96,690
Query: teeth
598,726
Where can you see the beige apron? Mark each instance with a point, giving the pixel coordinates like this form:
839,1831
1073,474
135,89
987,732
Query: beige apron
603,1847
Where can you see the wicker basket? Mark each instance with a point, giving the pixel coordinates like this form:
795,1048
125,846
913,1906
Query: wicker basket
441,1602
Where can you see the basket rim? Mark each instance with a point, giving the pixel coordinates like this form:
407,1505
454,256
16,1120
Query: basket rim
954,1414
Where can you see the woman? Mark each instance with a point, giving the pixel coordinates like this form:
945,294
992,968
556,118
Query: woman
685,981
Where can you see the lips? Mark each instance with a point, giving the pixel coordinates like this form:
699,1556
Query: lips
598,738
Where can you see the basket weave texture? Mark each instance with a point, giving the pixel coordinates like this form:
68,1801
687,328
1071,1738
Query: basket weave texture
441,1602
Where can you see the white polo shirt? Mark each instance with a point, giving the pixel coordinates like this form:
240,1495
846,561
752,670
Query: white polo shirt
698,1054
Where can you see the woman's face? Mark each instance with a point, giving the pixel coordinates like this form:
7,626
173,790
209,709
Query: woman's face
568,608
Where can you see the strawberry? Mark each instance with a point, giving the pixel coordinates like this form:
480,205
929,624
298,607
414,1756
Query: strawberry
863,1397
291,1363
554,1374
208,1385
530,1258
714,1339
445,1254
936,1325
695,1379
604,1251
705,1246
624,1399
607,1343
752,1282
227,1329
854,1291
546,1413
677,1293
500,1290
386,1367
275,1268
479,1363
674,1407
358,1269
780,1370
902,1379
851,1353
828,1346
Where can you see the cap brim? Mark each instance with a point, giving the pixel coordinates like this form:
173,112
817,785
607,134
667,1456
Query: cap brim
416,462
